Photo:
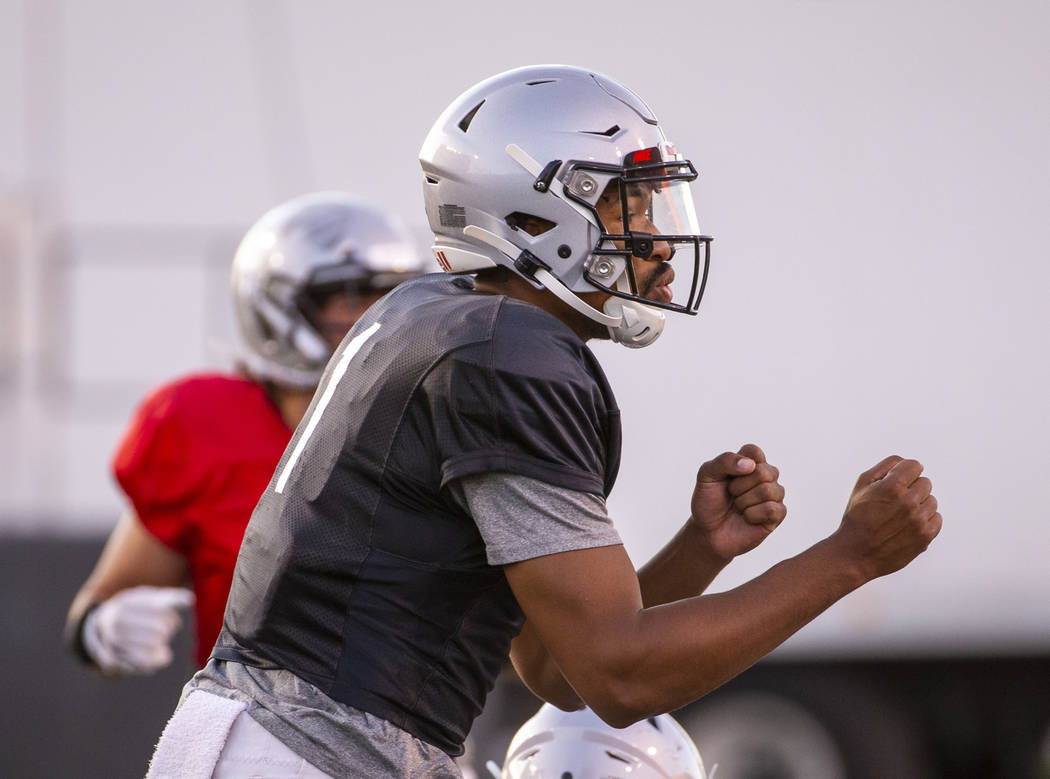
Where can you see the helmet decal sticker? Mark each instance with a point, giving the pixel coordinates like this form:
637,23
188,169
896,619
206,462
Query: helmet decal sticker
452,216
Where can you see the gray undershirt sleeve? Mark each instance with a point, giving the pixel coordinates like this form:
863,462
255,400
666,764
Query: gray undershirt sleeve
521,518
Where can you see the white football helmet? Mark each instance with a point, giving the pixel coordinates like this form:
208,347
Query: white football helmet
542,146
556,744
293,254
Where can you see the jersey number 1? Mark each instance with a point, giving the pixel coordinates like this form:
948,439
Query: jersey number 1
349,352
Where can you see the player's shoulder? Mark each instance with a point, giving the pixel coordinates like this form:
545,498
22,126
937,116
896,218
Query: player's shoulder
206,384
508,335
433,295
200,391
438,309
494,313
422,289
528,319
528,340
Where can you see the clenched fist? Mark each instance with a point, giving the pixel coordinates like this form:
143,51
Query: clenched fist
891,517
131,632
738,501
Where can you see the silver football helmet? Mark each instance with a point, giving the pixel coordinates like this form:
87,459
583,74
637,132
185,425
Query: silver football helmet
562,175
554,744
295,253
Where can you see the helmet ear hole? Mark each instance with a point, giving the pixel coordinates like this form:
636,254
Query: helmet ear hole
529,223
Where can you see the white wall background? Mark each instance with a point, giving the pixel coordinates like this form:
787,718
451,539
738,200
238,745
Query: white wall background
876,175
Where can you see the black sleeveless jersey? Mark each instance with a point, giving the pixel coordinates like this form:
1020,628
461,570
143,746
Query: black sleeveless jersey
359,572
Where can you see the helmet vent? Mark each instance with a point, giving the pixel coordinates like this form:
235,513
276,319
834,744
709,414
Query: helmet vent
431,180
541,81
615,756
654,722
464,123
606,133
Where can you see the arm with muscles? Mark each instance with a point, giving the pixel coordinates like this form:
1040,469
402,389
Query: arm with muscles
737,502
124,615
628,661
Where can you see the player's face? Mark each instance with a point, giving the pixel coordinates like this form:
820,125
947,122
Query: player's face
339,311
654,274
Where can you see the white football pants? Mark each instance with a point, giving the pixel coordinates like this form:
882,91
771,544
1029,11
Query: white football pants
212,736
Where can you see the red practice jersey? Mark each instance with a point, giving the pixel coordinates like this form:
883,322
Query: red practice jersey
193,462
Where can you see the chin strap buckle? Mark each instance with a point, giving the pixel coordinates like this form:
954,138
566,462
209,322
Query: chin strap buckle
528,263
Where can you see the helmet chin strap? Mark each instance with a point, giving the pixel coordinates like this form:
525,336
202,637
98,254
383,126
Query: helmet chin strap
610,319
546,278
629,322
640,324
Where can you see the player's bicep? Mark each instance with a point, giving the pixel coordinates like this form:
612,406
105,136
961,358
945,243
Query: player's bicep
583,606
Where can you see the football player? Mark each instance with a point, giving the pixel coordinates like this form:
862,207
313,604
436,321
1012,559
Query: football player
200,450
445,496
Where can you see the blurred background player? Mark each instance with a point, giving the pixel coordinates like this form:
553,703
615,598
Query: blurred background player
557,744
200,450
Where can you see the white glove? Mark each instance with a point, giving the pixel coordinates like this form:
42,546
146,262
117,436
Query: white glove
131,631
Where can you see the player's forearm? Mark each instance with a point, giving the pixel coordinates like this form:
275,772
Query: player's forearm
672,654
685,567
130,558
539,672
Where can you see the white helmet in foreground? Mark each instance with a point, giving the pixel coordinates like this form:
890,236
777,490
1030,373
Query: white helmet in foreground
555,744
296,254
563,175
